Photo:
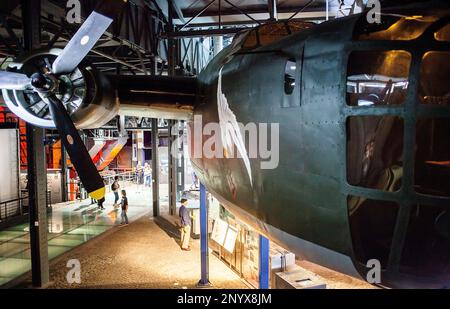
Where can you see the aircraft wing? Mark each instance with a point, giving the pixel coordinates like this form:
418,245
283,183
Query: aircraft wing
169,97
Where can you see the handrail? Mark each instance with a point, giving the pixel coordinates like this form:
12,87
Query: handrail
130,176
18,206
15,208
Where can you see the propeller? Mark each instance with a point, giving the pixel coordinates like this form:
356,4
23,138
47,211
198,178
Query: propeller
14,81
81,43
78,153
47,86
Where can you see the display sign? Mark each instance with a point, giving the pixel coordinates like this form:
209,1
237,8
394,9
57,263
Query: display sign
219,231
230,239
214,208
224,234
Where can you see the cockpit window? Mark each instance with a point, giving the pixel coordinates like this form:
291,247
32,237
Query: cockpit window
443,34
297,26
269,33
395,28
434,78
251,41
377,78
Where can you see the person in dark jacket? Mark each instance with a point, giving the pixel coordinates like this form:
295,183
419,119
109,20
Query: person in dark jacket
115,188
186,223
124,206
100,203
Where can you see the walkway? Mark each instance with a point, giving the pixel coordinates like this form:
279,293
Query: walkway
144,254
69,225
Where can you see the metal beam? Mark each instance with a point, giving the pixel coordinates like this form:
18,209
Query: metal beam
155,167
263,262
204,254
63,173
262,9
177,10
117,60
303,8
197,15
249,23
201,33
37,170
172,44
173,154
37,193
273,14
180,165
237,19
241,11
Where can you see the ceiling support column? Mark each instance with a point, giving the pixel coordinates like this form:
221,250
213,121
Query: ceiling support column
155,167
37,170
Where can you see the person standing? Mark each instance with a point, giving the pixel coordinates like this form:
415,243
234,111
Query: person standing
115,188
147,175
100,203
124,206
186,223
194,184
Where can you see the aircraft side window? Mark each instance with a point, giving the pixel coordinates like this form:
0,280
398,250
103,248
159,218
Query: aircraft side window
443,34
290,76
378,77
427,242
432,157
372,226
434,79
375,152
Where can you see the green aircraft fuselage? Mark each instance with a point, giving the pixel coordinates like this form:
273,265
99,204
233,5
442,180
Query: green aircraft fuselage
344,191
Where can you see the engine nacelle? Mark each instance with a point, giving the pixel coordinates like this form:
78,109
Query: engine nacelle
86,93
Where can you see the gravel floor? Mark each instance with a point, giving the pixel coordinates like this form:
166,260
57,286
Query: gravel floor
333,279
144,254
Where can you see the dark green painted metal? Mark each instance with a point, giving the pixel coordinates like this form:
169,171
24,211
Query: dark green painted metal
306,196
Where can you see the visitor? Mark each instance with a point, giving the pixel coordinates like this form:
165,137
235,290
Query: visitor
124,204
100,203
194,184
115,188
139,173
186,223
148,175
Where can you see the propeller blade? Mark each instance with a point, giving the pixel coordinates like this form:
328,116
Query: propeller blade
14,81
78,153
82,42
